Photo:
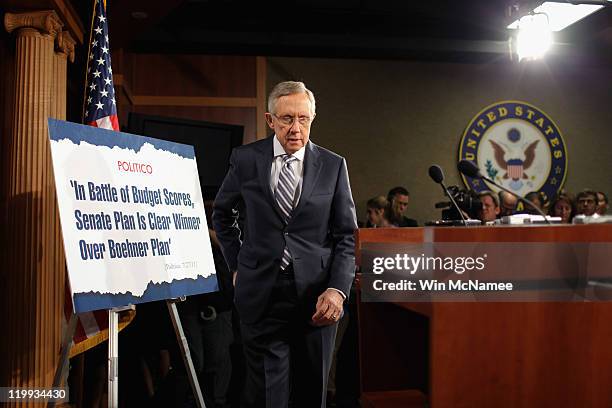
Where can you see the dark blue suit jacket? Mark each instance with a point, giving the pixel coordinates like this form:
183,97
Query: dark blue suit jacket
320,234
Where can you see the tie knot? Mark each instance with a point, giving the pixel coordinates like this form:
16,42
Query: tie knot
288,159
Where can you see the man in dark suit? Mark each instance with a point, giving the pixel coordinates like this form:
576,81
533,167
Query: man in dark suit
398,198
293,261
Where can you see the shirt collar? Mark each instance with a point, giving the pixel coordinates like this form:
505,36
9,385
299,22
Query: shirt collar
279,151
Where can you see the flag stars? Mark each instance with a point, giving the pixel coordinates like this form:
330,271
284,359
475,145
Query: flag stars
100,98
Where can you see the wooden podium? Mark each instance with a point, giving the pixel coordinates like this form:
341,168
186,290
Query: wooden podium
453,354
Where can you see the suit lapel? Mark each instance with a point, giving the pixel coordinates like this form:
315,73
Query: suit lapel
264,168
312,169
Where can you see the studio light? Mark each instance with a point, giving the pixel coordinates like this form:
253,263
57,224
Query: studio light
534,36
563,14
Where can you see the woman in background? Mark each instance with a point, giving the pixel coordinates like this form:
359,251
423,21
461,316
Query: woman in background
378,212
563,206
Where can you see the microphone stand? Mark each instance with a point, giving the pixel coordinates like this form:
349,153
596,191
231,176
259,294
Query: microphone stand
454,203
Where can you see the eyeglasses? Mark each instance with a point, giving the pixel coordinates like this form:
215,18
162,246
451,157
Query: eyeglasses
290,120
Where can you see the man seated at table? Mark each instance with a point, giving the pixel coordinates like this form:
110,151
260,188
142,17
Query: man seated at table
507,203
586,202
490,207
398,198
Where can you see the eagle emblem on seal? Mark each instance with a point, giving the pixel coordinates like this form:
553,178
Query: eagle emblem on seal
514,157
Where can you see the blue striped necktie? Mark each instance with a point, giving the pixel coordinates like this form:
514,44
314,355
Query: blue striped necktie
284,194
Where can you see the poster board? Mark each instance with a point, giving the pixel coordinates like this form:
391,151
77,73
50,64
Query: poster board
132,217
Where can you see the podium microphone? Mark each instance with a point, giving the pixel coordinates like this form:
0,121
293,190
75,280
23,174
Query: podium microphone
467,168
436,174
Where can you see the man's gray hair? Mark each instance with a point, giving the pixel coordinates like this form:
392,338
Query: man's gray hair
488,193
289,88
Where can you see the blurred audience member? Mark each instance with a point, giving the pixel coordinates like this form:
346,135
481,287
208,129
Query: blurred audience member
563,206
586,202
378,208
398,198
536,198
490,206
507,203
546,202
602,203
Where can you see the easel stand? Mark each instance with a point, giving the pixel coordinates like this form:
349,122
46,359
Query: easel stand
113,354
182,341
62,367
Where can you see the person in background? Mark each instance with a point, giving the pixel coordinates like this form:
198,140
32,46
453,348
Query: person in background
398,198
490,207
563,206
602,203
536,198
377,210
507,203
586,202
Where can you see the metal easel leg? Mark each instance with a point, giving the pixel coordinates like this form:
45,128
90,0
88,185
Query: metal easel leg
62,366
113,355
182,341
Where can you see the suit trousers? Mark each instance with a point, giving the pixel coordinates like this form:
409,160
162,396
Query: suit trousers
288,359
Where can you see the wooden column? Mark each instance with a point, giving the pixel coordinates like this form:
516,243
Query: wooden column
64,51
55,257
35,284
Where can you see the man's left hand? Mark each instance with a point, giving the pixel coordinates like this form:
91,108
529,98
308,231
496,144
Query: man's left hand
329,308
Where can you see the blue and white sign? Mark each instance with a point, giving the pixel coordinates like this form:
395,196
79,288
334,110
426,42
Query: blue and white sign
132,217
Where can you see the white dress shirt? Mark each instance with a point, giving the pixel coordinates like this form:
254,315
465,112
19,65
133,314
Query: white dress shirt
297,167
298,170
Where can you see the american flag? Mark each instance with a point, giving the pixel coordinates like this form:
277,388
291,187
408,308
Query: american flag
100,104
100,110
